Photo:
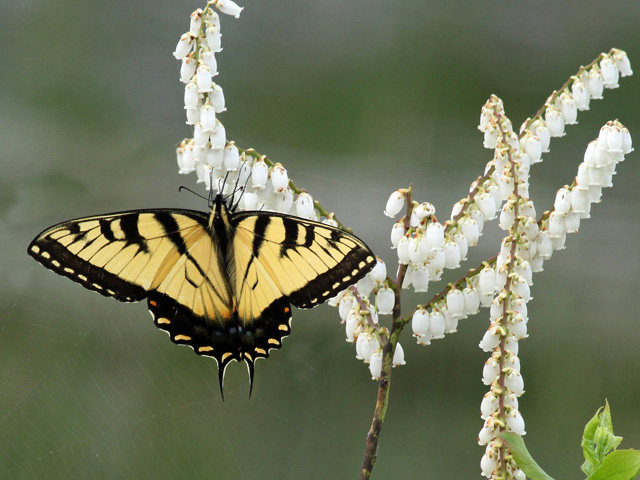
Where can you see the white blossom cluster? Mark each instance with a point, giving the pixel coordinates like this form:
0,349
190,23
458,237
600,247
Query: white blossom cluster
218,162
361,318
428,247
522,252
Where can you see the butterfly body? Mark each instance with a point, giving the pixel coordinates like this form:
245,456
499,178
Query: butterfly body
222,283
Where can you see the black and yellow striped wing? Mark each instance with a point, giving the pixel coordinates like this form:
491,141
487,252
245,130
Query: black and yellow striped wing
166,256
221,283
281,260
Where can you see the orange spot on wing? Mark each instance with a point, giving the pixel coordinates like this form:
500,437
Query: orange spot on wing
153,302
287,309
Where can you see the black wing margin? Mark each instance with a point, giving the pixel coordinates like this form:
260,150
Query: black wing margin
117,254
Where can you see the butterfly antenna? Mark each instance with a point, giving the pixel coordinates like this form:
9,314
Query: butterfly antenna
191,191
242,188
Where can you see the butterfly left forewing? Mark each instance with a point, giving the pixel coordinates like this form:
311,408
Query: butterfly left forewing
116,254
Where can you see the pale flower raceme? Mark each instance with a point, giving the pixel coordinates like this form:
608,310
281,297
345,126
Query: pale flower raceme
425,245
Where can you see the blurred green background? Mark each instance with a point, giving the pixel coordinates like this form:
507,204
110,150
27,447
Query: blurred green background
356,98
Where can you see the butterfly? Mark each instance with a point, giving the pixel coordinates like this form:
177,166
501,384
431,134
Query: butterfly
222,283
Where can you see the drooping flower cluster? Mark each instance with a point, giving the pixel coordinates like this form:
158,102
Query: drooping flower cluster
219,163
503,283
360,317
529,243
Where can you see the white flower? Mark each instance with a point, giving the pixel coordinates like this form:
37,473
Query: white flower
580,95
579,200
488,432
417,256
366,345
451,255
455,303
209,60
304,205
184,46
609,72
196,22
434,236
489,462
207,117
186,161
487,281
397,232
364,286
614,139
350,326
569,109
216,97
375,365
420,322
193,115
515,422
542,132
544,244
218,136
450,322
379,272
436,325
514,382
203,78
398,356
491,136
347,302
555,121
420,278
403,250
424,210
231,158
461,241
469,228
279,178
507,216
228,7
214,39
532,147
491,339
187,69
489,404
562,203
622,62
485,203
394,203
191,95
259,174
490,371
471,300
385,300
596,83
519,327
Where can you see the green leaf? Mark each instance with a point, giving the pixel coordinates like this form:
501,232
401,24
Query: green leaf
523,458
618,465
588,450
598,439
